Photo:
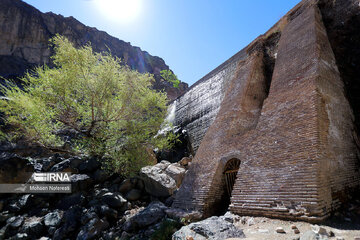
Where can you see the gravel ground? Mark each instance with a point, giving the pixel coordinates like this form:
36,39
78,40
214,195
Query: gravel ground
265,228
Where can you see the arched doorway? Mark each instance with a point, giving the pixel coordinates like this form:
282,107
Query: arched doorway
230,171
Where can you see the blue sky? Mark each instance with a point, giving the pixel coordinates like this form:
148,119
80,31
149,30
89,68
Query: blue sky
192,36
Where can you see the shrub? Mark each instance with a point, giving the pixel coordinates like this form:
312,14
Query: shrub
112,108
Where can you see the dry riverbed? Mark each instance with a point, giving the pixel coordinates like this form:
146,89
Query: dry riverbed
257,228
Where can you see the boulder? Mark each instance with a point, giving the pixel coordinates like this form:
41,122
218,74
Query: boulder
213,228
4,216
80,182
133,195
180,214
47,164
90,165
70,200
56,158
251,221
92,229
37,164
163,165
51,230
185,161
21,236
15,222
44,238
177,172
24,202
14,169
3,232
63,166
114,200
140,184
53,219
157,183
320,230
72,220
230,217
75,161
170,200
88,215
33,226
101,175
146,217
109,213
125,186
311,235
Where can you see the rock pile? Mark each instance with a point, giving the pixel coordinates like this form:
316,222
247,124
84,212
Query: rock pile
101,205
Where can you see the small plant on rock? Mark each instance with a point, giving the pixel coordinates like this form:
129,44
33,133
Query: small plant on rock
169,76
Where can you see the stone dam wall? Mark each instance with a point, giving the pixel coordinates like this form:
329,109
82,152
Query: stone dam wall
198,107
282,111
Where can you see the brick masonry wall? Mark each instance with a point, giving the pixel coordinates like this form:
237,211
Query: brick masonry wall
238,114
297,152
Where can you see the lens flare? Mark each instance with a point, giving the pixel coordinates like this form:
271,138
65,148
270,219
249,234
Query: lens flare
121,11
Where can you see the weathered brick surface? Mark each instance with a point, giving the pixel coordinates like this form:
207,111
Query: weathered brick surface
238,114
198,107
297,152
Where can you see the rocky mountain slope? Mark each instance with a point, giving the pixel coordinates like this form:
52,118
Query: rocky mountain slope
25,32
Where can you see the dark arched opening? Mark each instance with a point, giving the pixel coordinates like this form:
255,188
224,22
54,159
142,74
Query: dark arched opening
230,171
228,179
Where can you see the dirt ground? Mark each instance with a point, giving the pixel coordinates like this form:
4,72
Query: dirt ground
265,228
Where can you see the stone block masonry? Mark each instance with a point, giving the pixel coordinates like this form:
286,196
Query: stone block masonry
295,142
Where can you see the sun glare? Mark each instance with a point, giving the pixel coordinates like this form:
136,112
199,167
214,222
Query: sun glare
121,11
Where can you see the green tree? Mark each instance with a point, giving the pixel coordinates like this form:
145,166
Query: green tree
112,108
169,76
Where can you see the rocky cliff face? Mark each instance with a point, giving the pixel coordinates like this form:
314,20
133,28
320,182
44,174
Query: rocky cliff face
25,32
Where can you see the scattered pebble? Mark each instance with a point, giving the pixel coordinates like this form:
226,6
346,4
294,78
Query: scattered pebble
251,221
280,230
264,231
320,230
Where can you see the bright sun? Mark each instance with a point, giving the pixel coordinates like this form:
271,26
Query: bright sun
122,11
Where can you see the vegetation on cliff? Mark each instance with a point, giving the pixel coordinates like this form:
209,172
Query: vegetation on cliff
112,109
